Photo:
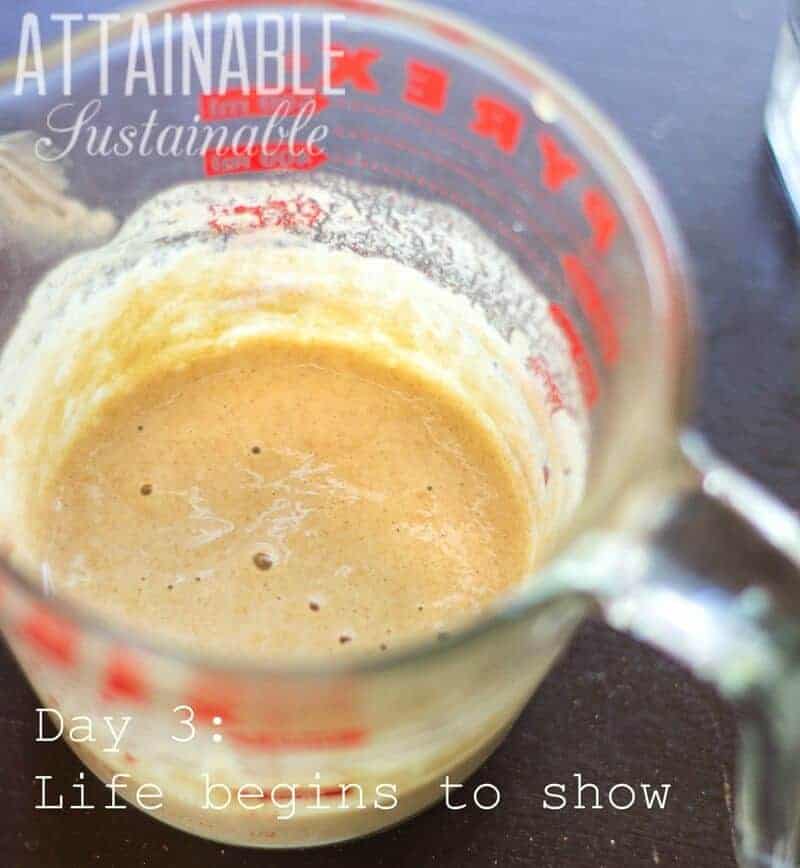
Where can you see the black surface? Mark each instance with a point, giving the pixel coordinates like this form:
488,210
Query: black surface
686,81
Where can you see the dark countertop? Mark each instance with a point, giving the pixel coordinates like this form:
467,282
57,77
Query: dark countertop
686,82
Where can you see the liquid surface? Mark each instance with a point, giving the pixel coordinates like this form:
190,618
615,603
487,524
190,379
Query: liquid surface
286,499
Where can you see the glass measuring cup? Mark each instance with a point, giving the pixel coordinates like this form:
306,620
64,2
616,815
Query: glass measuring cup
781,111
440,109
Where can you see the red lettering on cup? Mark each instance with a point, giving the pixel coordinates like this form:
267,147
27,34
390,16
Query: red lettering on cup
298,213
558,166
498,121
256,158
298,741
426,86
240,104
593,306
355,67
51,637
583,364
602,219
323,792
539,367
123,679
213,699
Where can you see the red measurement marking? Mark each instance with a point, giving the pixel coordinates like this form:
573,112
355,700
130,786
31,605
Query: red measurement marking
555,399
324,792
602,218
299,792
297,213
354,67
426,86
123,680
208,701
256,158
593,306
53,638
287,741
130,758
242,104
580,357
558,166
498,121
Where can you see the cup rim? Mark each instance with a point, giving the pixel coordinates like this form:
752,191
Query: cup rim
669,283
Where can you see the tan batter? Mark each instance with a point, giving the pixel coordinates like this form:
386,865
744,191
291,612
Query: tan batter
286,499
308,437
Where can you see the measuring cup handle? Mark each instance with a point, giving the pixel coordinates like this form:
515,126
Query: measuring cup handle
711,574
